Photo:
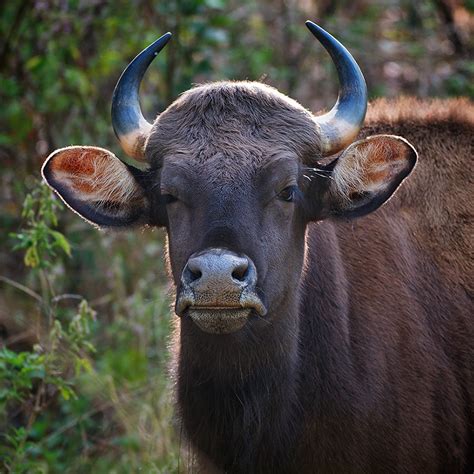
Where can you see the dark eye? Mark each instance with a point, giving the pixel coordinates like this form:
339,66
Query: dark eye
168,198
288,194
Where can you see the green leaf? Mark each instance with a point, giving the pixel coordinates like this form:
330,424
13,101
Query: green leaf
31,257
66,392
61,241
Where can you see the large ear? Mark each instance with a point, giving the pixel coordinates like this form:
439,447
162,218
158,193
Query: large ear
94,183
366,174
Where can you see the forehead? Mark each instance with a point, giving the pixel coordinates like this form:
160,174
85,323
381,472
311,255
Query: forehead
232,127
229,173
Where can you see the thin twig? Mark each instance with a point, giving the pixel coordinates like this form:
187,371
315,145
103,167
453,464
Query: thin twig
66,296
21,287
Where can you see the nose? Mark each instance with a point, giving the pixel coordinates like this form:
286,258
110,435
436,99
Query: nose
218,269
219,291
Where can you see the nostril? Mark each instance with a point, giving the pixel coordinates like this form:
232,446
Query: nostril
240,273
194,275
192,272
216,271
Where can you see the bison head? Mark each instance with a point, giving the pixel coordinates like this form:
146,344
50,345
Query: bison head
234,172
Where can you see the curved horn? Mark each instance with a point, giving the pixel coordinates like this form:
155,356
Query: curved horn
129,124
342,123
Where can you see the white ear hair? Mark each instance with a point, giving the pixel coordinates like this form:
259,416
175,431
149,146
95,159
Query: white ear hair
369,164
348,173
113,185
94,183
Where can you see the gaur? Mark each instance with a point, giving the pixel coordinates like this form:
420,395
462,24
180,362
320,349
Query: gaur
317,331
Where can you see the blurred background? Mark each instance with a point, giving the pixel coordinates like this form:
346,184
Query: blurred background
85,315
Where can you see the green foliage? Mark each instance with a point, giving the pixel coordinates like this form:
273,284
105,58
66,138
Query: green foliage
18,372
30,380
39,240
70,381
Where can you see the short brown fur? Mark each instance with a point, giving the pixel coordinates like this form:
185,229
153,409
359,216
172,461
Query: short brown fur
381,376
364,361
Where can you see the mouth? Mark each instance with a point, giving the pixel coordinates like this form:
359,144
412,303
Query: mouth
219,320
217,313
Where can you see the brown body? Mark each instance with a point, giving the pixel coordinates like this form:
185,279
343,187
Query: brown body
382,375
315,335
399,388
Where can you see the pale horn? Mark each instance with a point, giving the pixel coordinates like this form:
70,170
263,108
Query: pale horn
342,123
130,126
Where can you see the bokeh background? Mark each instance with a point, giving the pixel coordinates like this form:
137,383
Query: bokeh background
85,315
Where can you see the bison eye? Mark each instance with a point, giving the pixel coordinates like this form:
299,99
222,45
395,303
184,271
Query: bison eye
288,194
168,198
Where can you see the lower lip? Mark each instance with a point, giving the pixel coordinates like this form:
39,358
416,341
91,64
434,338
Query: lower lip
215,320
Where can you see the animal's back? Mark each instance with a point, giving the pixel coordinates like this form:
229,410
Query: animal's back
439,192
399,283
433,210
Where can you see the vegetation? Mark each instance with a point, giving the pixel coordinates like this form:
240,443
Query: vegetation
85,315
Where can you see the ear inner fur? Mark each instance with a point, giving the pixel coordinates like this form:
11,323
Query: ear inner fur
95,184
372,168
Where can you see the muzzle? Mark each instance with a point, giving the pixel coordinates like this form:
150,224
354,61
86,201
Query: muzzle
218,291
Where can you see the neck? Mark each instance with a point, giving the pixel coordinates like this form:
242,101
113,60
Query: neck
237,392
245,399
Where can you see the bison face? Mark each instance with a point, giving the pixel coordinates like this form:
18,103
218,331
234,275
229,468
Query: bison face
233,171
231,196
229,247
236,189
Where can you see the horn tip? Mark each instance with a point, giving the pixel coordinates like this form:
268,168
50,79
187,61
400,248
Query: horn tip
320,33
160,43
311,25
